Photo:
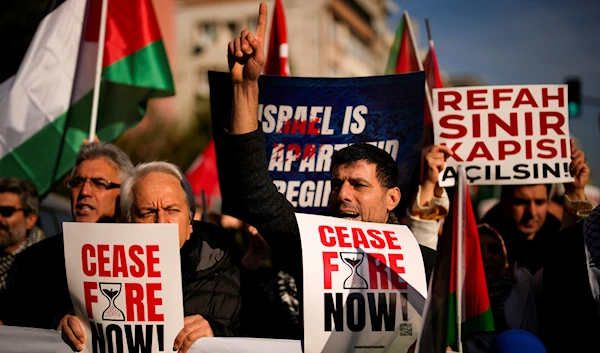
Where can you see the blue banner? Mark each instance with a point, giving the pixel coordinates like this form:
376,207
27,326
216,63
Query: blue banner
305,120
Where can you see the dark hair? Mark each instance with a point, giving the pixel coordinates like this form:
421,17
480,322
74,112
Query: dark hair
387,170
28,194
507,190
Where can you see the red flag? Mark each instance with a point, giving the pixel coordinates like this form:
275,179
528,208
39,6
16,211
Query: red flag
203,175
404,54
277,55
433,78
456,293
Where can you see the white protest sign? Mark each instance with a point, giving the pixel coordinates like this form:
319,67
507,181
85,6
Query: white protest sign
504,134
364,285
125,284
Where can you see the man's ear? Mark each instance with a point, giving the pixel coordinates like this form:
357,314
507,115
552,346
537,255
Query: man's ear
393,198
31,220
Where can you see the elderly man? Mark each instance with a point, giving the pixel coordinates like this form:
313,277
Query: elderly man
157,192
40,295
364,178
19,207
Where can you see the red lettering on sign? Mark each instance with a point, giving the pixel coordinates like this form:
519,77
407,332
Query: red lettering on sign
152,260
88,251
328,268
138,269
390,238
154,302
452,100
325,233
134,302
461,130
498,98
472,99
103,260
546,125
397,281
341,236
377,271
89,297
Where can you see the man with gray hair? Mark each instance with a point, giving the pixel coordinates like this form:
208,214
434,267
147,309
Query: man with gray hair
94,186
158,192
19,208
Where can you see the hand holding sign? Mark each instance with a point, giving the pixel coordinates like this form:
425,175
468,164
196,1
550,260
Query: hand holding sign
246,55
194,328
435,161
72,331
580,172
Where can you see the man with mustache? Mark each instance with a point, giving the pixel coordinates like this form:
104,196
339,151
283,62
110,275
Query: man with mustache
40,295
364,178
19,208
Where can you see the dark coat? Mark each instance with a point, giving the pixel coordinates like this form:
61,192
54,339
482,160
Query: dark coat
529,254
568,315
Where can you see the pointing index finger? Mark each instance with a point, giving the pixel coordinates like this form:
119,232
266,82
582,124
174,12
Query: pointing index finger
261,26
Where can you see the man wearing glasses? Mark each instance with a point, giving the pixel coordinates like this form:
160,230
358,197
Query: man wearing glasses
19,208
40,295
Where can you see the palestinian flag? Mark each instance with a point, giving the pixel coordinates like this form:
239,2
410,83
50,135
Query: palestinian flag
456,289
277,55
432,77
404,54
203,175
46,106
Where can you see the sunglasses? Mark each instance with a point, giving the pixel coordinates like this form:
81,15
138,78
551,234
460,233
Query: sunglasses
98,184
7,211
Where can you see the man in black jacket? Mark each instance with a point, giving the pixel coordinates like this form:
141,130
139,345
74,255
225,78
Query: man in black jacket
40,295
363,181
158,192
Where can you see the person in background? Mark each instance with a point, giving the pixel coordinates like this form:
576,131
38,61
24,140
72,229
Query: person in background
19,209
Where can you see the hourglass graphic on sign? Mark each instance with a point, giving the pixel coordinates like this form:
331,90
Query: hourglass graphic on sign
353,260
111,291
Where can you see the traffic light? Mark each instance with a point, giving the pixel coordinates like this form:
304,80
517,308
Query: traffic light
574,93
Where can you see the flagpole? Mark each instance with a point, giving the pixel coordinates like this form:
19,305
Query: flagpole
416,49
459,253
98,73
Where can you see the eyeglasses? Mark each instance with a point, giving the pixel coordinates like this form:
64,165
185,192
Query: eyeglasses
98,184
7,211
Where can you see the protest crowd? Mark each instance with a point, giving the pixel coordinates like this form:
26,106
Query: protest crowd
244,272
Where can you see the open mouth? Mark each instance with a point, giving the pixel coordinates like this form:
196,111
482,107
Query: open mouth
84,209
349,215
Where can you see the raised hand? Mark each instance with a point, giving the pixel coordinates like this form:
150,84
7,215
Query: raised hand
434,164
245,54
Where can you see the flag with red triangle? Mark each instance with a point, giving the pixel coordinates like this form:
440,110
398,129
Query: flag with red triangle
458,288
404,54
204,176
46,106
433,78
277,55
